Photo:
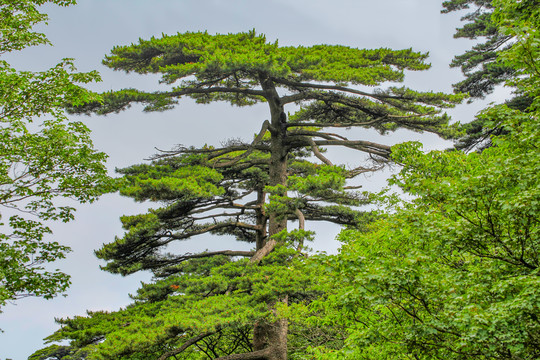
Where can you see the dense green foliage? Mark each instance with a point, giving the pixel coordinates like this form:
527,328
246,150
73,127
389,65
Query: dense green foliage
452,273
43,156
233,304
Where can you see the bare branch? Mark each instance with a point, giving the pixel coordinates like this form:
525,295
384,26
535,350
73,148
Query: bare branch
301,219
257,140
318,153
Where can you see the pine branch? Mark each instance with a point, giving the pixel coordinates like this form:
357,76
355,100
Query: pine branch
365,146
223,203
307,95
262,252
184,346
188,256
338,125
210,228
213,153
210,90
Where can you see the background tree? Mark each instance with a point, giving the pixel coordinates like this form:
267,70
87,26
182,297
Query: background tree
232,304
40,160
482,67
453,273
479,64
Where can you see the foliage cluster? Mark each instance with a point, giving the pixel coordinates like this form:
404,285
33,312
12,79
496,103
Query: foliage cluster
43,157
453,273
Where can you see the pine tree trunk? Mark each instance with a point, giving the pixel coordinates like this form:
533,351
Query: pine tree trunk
273,336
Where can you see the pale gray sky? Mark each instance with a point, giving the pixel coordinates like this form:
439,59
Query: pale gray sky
90,29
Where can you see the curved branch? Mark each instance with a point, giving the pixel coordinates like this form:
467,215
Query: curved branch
189,256
301,219
213,153
234,148
157,263
184,346
324,135
301,225
365,146
225,202
318,153
360,170
338,125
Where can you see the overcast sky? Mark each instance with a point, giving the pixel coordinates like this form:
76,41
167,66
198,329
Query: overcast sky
90,29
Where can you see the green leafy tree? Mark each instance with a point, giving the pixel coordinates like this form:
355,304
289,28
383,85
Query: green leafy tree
43,157
453,273
225,304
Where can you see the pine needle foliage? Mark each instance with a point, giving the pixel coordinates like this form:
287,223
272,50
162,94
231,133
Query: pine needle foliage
227,304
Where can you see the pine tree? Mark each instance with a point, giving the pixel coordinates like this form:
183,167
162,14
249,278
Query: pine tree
479,64
482,68
225,304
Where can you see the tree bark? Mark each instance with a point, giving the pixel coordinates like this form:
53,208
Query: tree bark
260,236
270,338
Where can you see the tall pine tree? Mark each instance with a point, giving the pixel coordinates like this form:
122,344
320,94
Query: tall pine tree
225,304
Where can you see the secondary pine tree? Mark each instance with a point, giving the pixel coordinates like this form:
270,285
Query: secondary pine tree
482,68
224,304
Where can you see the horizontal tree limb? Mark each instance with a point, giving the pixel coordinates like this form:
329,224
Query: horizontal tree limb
338,125
210,90
298,97
361,145
210,228
366,146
